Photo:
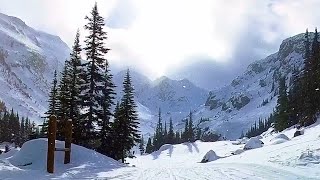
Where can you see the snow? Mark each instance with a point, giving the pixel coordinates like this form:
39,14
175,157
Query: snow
210,156
253,143
30,162
298,158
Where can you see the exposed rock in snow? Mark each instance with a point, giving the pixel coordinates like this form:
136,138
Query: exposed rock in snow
253,143
210,156
298,133
238,151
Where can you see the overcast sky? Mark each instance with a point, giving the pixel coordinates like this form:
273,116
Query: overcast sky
166,37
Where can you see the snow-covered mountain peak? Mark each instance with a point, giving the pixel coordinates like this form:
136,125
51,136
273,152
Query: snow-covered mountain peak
252,95
27,60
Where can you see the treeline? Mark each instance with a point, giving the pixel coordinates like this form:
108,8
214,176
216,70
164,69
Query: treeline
166,135
86,94
262,126
14,128
300,103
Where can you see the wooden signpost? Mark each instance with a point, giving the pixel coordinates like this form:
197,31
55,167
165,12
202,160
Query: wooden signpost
52,129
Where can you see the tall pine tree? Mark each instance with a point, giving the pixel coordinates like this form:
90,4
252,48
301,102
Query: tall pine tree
91,95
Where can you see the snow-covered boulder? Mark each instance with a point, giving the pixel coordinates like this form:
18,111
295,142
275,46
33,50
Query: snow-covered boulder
259,137
210,156
238,151
253,143
280,138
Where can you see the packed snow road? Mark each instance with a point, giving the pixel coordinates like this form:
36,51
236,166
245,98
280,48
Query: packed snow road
204,172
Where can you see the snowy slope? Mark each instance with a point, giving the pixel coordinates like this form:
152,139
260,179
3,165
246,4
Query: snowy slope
234,108
27,60
297,158
30,163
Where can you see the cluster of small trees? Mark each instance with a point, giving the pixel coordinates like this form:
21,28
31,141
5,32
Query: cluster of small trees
164,135
262,126
85,94
13,128
300,103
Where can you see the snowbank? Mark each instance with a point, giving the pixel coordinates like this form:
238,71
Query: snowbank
9,154
165,147
33,155
210,156
253,143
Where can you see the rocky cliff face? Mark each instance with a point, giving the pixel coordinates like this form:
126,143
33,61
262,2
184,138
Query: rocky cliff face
27,60
252,95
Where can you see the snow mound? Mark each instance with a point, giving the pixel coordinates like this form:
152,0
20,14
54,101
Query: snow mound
278,141
309,157
165,147
33,155
210,156
253,143
282,136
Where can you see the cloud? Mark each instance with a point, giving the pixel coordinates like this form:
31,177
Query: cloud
159,36
122,15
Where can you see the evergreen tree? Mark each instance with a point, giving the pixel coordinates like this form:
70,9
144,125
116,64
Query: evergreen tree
308,84
107,102
158,137
171,135
165,134
53,103
126,120
190,133
64,97
141,145
76,79
178,138
91,89
186,132
282,119
149,147
199,133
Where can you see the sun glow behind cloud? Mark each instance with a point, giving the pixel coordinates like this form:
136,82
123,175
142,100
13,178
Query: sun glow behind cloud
156,36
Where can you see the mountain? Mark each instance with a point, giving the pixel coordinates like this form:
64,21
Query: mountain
206,72
232,109
27,60
175,98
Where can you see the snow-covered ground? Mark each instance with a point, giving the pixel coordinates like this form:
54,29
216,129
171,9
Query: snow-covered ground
296,158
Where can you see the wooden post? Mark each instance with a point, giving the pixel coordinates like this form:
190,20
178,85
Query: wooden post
67,141
52,129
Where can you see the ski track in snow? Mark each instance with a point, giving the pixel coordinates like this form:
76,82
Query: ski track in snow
216,171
